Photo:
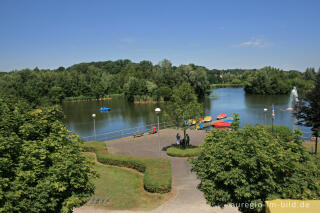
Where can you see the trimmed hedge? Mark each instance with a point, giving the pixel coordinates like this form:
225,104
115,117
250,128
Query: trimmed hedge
189,151
95,146
157,172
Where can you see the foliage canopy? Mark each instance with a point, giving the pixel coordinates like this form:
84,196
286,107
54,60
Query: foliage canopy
41,165
251,166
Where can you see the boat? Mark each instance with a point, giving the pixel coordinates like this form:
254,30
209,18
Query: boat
221,116
221,124
207,119
105,109
192,121
228,120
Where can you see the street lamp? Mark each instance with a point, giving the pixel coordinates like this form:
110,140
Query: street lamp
158,110
273,117
94,126
265,116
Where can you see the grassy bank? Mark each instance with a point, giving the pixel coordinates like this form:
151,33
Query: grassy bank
91,98
212,86
189,151
157,172
310,145
121,189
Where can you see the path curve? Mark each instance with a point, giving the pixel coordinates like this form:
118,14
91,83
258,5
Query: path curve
187,199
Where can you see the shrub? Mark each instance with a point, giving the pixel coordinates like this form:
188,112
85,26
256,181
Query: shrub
189,151
252,166
95,146
157,172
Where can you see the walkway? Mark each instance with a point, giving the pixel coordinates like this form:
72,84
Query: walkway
187,199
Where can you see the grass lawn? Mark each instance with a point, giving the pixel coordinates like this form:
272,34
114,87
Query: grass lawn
310,145
189,151
124,189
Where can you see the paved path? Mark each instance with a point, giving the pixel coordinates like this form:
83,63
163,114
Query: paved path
187,199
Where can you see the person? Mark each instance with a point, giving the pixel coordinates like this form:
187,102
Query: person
178,139
154,129
187,140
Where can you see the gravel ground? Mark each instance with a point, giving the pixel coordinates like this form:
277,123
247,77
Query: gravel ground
187,198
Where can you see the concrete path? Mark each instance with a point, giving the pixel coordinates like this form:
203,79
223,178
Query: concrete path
187,198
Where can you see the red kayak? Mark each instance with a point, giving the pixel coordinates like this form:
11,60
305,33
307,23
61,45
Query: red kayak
221,116
221,124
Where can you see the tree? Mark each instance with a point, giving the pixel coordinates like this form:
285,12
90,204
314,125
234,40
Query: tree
183,105
251,166
307,110
236,121
42,168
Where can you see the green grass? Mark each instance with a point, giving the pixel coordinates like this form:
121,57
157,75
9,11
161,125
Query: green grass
123,189
157,172
189,151
95,146
226,85
311,147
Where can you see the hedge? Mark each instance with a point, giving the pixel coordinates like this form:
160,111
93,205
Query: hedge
157,172
95,146
189,151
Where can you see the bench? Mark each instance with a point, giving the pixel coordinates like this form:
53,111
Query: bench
152,132
138,134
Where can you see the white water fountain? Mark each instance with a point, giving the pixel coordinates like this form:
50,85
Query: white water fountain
293,99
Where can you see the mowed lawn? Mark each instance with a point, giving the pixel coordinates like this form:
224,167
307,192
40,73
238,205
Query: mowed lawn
124,189
310,145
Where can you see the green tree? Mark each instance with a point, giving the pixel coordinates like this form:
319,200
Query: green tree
42,168
307,110
183,105
251,166
236,121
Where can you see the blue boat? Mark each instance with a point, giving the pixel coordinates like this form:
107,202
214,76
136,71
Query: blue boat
105,109
230,121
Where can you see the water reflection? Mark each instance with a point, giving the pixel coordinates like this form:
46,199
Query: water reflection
125,115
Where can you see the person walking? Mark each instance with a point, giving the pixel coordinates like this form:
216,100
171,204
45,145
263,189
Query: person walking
178,139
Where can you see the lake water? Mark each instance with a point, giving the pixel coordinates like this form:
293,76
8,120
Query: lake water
125,118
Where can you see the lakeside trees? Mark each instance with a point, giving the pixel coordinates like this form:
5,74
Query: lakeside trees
143,80
183,106
272,81
251,166
307,110
42,168
100,79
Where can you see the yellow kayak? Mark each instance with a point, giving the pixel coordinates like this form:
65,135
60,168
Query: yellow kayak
207,119
192,121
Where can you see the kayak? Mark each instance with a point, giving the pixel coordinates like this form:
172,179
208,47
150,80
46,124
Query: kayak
221,116
105,109
207,119
221,124
230,121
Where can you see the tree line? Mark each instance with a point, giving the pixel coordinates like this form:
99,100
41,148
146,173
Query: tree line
100,79
142,80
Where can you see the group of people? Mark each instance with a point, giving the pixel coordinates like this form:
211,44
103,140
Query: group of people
184,142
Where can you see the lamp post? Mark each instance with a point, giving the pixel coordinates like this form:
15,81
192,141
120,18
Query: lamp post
273,117
265,116
158,110
94,125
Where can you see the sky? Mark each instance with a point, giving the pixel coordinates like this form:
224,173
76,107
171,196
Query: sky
216,34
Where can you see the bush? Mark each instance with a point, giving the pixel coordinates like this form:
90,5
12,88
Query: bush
95,146
157,172
189,151
252,166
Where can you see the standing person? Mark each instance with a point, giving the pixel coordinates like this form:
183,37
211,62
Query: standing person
154,129
187,140
178,139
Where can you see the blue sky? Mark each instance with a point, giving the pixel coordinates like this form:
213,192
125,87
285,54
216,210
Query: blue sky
216,34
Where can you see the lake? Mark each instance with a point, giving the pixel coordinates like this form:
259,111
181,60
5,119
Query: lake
126,118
